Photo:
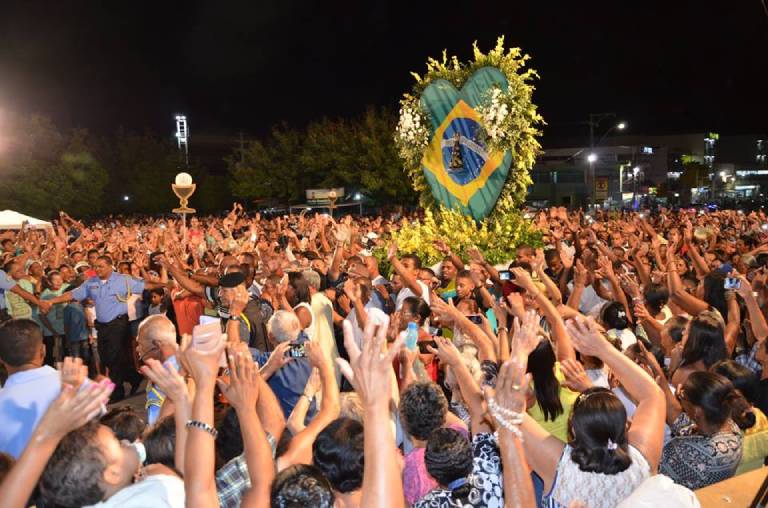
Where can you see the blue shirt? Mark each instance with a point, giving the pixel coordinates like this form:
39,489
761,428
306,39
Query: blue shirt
75,323
6,284
23,401
156,397
109,296
289,381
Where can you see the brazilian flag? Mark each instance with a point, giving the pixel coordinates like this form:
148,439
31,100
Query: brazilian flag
459,169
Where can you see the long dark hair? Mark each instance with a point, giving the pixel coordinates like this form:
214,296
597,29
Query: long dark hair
718,399
714,291
541,365
597,432
300,288
706,341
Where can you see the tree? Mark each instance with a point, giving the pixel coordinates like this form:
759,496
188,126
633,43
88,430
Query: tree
47,170
268,169
356,154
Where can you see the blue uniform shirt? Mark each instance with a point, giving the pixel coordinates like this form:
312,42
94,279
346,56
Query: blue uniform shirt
109,296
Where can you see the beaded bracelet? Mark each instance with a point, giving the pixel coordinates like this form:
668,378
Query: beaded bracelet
196,424
507,418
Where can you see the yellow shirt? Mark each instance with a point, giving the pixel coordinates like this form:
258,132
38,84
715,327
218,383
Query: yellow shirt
755,447
559,426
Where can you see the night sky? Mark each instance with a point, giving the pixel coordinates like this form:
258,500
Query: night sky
668,66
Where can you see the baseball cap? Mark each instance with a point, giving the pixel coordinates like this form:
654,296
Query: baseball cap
231,280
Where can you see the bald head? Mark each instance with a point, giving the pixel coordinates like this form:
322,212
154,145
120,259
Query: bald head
157,338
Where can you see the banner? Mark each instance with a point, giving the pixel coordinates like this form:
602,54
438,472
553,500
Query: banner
461,172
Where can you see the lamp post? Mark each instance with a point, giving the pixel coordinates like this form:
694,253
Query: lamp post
183,188
594,121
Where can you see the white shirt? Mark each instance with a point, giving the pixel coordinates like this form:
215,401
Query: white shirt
375,315
23,401
406,292
162,491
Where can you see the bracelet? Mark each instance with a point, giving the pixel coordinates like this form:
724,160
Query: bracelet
196,424
309,399
502,328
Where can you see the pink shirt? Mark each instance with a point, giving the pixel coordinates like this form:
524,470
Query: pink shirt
417,482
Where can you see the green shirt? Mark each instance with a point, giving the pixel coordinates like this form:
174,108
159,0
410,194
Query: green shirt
559,426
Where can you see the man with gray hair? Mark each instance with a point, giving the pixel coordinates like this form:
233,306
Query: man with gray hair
290,378
156,340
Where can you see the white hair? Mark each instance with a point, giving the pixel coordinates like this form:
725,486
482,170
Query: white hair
284,326
157,328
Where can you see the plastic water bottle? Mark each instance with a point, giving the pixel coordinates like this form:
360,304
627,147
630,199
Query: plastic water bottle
412,336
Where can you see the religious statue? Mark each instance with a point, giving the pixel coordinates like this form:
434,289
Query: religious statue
456,160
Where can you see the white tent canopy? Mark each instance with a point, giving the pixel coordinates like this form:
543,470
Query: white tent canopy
13,220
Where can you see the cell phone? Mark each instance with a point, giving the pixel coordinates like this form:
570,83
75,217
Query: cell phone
505,275
732,283
423,346
296,351
476,318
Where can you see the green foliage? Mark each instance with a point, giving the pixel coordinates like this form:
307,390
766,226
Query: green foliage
143,168
355,154
516,131
495,238
47,170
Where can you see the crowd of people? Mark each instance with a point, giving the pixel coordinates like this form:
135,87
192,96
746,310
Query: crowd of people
303,360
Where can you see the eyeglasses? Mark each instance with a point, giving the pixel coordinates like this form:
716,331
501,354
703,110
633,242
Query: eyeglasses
147,353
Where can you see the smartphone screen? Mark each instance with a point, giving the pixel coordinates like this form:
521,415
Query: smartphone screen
296,351
732,283
475,318
505,275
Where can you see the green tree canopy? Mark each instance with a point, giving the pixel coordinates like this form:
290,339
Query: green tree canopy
46,170
356,154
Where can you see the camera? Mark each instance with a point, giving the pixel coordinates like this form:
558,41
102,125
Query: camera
296,351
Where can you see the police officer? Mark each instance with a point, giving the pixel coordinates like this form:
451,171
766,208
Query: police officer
110,292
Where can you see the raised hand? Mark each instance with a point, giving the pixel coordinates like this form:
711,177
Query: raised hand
579,274
445,312
525,334
523,279
167,378
201,365
277,359
442,247
476,256
73,409
606,267
392,250
446,351
242,391
630,285
586,336
511,386
575,376
315,354
73,372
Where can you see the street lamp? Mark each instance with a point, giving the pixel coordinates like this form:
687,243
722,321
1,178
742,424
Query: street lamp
126,198
594,121
592,158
